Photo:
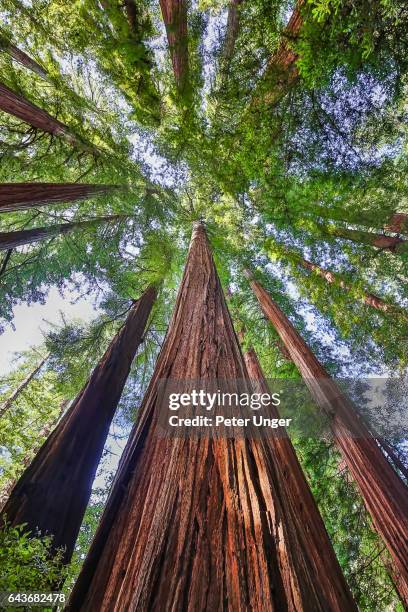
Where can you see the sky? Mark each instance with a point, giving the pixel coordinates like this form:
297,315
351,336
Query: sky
31,321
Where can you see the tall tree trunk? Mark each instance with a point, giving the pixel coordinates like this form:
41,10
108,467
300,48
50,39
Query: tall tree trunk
16,196
384,493
367,298
231,32
3,266
397,223
193,523
11,240
281,71
54,491
14,104
175,19
380,241
295,493
9,402
44,433
21,57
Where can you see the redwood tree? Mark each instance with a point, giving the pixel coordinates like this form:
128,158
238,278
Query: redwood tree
16,105
15,196
11,240
196,522
175,19
8,403
22,58
384,493
52,494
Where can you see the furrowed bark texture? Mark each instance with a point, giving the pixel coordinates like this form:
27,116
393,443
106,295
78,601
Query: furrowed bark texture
16,196
22,58
367,298
281,70
194,523
384,493
53,492
11,240
8,403
297,499
14,104
175,19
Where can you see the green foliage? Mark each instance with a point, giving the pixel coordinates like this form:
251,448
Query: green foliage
26,562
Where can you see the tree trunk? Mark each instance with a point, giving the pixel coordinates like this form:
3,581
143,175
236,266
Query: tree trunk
17,196
231,31
192,523
44,433
380,241
281,70
384,493
11,240
22,58
398,223
9,402
296,496
175,19
367,298
14,104
54,491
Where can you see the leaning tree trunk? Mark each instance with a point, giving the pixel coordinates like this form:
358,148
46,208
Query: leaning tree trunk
14,104
23,385
11,240
367,298
175,19
384,493
21,57
52,494
194,522
393,244
16,196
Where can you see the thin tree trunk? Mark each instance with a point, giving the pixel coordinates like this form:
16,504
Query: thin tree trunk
54,491
367,298
384,493
5,261
11,240
175,19
14,104
192,523
9,402
22,58
17,196
393,244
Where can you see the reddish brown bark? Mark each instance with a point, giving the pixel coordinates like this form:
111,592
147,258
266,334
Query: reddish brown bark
175,19
11,240
367,298
297,498
231,31
16,196
23,385
384,493
22,58
193,523
380,241
281,69
398,223
53,492
14,104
